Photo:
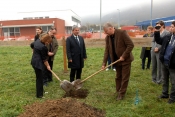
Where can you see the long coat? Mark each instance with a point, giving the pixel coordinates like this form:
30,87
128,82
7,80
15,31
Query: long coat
142,54
75,52
123,47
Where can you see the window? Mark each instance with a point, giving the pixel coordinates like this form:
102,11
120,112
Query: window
14,31
46,28
5,29
17,29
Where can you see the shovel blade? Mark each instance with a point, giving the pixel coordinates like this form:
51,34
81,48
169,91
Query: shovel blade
77,84
66,85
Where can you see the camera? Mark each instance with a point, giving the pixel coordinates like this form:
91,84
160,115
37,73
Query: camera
157,27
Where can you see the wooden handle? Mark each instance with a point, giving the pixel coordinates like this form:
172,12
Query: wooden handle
55,75
99,71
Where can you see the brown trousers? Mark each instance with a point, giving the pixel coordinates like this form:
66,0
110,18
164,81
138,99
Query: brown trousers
122,78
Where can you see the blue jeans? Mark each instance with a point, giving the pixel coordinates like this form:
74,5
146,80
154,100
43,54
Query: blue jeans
109,62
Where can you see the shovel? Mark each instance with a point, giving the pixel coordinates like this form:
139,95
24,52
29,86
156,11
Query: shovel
78,83
65,84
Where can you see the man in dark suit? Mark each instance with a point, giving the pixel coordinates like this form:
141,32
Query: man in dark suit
76,53
119,46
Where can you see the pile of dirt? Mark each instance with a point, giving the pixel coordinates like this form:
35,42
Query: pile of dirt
81,93
65,107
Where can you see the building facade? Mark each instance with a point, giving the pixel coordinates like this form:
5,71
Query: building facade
26,23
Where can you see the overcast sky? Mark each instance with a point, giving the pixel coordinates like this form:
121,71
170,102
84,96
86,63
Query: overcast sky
9,8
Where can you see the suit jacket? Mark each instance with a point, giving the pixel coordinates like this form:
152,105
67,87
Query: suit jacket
164,41
144,48
123,47
53,47
39,55
154,44
75,52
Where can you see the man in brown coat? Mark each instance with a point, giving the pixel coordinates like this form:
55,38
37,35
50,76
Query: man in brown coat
119,46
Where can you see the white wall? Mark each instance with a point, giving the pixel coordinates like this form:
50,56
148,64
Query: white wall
61,14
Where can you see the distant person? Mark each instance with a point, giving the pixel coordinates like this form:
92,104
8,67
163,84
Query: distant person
119,46
52,50
39,62
76,53
39,31
146,51
109,62
167,58
155,52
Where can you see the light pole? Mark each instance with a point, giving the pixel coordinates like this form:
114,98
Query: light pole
151,12
100,17
118,18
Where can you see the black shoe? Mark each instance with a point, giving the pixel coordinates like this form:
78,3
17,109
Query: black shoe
162,96
45,84
170,101
39,96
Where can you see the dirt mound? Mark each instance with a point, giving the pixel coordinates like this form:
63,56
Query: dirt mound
65,107
81,93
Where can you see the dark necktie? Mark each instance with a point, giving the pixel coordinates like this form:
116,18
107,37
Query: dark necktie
77,40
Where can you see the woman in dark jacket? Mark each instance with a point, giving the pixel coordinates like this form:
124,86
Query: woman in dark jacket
39,31
146,51
39,62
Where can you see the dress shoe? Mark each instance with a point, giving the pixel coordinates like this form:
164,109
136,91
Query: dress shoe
170,101
163,96
119,97
41,97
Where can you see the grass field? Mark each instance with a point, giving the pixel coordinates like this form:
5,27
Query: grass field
17,85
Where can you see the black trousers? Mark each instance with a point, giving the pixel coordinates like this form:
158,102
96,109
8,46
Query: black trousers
39,82
47,74
73,72
146,55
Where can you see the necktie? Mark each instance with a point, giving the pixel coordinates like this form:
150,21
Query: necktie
77,40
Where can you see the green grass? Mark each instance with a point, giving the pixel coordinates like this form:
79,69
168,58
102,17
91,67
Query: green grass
17,85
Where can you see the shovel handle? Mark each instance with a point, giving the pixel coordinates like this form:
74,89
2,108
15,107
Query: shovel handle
99,71
55,75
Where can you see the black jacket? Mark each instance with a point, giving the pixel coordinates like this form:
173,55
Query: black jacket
75,52
39,55
164,41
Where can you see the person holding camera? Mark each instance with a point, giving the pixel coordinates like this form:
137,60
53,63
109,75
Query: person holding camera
167,58
155,51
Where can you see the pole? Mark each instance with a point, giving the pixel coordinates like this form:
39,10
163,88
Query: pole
100,17
118,18
151,12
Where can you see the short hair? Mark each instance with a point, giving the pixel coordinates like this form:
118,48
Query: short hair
38,27
161,22
173,22
107,25
150,27
46,38
53,28
74,27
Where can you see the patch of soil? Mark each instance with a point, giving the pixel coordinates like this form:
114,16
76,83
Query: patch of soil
65,107
81,93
